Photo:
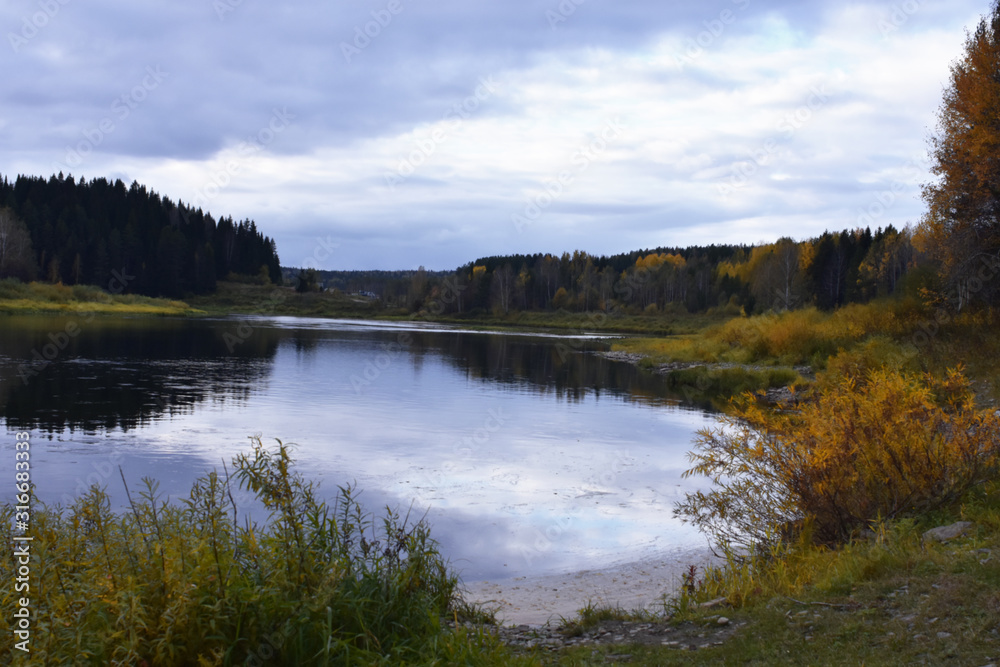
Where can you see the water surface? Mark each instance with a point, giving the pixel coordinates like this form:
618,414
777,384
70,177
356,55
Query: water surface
528,453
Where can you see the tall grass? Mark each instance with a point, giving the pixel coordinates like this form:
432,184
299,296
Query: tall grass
17,297
193,584
806,336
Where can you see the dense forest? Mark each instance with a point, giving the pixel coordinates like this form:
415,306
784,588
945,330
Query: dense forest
126,239
827,271
131,240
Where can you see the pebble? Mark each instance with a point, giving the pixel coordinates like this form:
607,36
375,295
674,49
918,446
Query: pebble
552,638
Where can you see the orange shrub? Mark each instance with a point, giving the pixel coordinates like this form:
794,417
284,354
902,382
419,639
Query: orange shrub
882,446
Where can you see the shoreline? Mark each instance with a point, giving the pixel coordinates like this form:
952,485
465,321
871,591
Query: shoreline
547,599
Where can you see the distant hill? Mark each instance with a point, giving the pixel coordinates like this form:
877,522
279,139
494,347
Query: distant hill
126,239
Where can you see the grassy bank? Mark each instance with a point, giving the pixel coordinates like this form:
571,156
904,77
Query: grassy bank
17,298
235,298
900,334
193,583
806,336
884,431
232,298
242,298
889,597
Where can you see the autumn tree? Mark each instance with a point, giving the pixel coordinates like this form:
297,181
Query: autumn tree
961,228
775,275
546,272
504,282
890,256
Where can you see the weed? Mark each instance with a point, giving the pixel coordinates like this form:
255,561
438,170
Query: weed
177,584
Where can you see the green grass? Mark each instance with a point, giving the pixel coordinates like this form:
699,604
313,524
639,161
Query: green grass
892,332
882,599
17,298
179,584
698,384
241,298
194,583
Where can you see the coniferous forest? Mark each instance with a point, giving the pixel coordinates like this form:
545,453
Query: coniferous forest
831,270
125,239
129,239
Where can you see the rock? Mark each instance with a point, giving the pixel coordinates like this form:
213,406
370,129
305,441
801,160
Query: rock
945,533
723,620
712,603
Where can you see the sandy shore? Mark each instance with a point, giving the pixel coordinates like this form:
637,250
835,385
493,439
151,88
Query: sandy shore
538,600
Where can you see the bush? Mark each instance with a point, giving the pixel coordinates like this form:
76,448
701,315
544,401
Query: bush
876,353
168,584
886,445
701,382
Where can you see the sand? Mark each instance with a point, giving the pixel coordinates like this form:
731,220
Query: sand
543,599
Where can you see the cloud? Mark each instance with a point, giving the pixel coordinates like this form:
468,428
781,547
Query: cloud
416,131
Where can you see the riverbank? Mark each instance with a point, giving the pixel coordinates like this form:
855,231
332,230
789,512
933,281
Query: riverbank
908,593
247,299
552,599
17,298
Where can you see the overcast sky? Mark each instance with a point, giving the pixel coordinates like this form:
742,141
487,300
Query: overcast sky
396,133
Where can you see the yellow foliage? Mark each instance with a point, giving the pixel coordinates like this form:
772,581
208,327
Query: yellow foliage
876,447
655,260
797,336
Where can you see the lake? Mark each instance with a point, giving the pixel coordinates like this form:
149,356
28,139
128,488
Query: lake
529,453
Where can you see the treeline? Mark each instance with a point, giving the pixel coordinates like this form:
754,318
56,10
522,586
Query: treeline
828,271
124,238
394,287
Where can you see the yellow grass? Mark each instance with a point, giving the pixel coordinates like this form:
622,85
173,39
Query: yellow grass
19,298
793,337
